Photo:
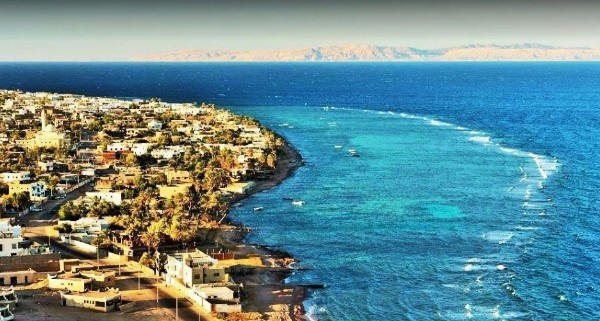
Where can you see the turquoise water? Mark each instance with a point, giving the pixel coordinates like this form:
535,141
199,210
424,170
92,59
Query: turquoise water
428,222
475,195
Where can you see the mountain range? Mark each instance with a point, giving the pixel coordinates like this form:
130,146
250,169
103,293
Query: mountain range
517,52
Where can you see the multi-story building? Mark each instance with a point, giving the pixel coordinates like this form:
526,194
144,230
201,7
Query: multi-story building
193,268
36,190
10,236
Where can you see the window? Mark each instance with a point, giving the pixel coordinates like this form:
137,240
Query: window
14,246
197,276
216,274
1,248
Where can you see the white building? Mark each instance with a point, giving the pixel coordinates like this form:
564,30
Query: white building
46,166
89,225
154,124
118,146
115,197
10,236
12,177
103,301
193,268
168,152
140,149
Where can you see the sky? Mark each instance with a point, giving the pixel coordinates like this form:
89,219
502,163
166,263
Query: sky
111,30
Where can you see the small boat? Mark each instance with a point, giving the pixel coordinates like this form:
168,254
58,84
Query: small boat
298,203
338,146
258,209
288,199
355,155
352,151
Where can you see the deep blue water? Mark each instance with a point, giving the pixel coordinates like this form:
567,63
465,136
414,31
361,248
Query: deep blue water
475,196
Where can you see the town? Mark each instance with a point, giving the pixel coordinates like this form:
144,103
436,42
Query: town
121,205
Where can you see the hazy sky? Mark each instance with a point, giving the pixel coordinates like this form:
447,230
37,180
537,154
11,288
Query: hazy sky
118,30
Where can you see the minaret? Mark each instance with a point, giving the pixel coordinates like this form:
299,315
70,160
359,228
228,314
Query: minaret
44,119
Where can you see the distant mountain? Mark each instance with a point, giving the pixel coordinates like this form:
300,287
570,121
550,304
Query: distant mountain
476,52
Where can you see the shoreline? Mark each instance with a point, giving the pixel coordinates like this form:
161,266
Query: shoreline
232,236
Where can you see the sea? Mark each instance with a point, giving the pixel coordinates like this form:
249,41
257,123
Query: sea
475,194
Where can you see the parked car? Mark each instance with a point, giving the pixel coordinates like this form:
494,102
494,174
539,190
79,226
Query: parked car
61,196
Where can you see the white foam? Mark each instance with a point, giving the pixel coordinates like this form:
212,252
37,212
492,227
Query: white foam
470,267
527,228
468,311
481,139
500,267
545,166
439,123
501,237
496,312
527,193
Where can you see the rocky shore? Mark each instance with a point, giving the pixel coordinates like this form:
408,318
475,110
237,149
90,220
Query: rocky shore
268,298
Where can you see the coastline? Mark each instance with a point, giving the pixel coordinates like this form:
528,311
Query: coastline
275,265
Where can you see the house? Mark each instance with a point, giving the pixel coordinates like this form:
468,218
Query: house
89,225
109,156
69,282
135,131
46,166
155,124
175,176
100,279
36,190
167,152
10,177
192,268
168,191
118,146
10,236
108,195
103,301
140,149
18,277
239,187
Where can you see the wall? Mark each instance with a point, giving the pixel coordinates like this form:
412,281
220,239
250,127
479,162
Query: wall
83,246
227,308
39,262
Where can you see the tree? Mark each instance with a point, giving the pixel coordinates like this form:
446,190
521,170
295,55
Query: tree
131,160
101,240
182,230
215,178
214,207
272,160
69,212
64,228
146,260
53,180
151,237
22,200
